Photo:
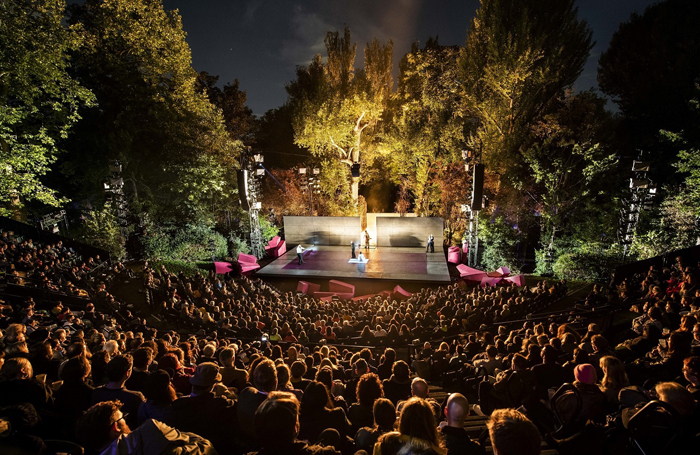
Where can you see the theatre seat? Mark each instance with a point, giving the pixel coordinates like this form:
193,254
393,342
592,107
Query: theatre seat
247,263
276,247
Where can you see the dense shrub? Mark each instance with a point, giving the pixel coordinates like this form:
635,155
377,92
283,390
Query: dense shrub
500,241
587,262
188,243
101,230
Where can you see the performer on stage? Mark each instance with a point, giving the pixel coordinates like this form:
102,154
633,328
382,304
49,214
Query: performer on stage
361,257
300,250
367,239
352,245
431,244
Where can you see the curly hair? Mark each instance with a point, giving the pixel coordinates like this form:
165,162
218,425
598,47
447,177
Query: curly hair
369,388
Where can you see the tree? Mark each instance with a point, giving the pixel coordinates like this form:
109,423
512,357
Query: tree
39,100
518,59
338,108
568,160
650,70
424,131
176,153
238,118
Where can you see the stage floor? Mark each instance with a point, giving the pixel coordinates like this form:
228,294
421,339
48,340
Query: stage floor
385,263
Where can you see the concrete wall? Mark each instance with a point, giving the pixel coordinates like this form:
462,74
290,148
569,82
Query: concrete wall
321,230
409,232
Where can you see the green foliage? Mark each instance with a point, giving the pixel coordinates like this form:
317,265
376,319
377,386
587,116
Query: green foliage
237,245
183,243
336,108
188,268
268,229
425,132
587,262
518,58
39,100
101,230
500,241
173,143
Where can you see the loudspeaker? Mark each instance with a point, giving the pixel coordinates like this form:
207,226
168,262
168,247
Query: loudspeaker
355,170
477,187
242,177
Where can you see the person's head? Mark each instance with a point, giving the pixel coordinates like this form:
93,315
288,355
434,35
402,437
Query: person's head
585,373
600,344
457,410
265,376
143,357
389,353
298,369
519,363
491,351
119,368
419,388
614,375
158,388
227,357
512,433
278,415
111,347
369,388
361,367
417,421
100,425
677,396
75,370
16,368
283,376
205,376
384,414
315,398
401,371
691,370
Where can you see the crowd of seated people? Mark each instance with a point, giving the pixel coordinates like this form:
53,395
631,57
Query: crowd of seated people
214,385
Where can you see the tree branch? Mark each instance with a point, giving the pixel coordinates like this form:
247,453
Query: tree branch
343,153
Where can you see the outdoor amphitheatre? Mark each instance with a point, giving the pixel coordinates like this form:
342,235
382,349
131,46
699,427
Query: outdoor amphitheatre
385,228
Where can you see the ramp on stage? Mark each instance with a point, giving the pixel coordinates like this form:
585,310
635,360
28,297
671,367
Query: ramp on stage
409,267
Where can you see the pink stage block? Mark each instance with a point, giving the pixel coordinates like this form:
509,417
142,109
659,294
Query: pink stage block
385,294
339,286
519,280
247,263
504,271
400,293
308,288
223,267
276,247
490,281
470,274
453,255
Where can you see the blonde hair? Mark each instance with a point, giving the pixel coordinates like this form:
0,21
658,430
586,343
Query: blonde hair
17,368
677,396
614,375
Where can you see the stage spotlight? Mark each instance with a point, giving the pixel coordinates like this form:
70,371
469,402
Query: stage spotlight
259,158
641,166
638,183
302,170
316,171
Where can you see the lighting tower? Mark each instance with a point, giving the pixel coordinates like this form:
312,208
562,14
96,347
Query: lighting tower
114,195
472,162
252,173
642,190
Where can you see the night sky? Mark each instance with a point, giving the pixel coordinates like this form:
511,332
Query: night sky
260,42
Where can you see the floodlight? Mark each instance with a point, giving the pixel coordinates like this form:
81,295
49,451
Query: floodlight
316,171
302,170
638,183
641,166
259,158
257,205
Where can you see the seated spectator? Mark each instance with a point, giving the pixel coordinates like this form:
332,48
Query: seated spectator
230,375
276,428
384,420
593,399
614,380
318,413
264,377
511,389
417,433
143,357
204,413
491,363
512,433
398,386
18,385
103,430
297,372
360,414
691,372
456,438
420,389
384,369
160,394
118,371
74,395
549,374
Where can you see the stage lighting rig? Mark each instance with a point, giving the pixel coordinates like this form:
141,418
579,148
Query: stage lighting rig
643,192
249,188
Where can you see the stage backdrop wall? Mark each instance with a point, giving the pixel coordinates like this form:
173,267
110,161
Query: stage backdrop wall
409,232
321,230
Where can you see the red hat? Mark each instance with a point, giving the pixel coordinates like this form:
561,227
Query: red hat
585,373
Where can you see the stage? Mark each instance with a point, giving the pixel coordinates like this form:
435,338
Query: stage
409,267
